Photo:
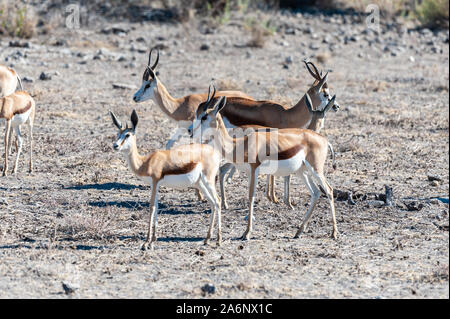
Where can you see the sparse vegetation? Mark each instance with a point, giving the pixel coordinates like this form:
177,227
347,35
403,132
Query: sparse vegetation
433,13
260,31
17,20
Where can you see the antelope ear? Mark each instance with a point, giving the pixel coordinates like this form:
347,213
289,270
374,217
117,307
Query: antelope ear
220,105
115,120
134,119
308,103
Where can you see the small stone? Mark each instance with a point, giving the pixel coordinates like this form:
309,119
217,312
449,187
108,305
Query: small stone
413,206
375,203
435,183
123,86
434,178
204,47
289,31
28,79
288,60
411,58
45,76
208,289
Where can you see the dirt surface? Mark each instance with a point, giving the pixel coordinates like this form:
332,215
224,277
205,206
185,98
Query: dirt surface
81,216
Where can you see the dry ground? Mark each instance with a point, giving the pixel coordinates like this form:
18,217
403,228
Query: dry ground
81,216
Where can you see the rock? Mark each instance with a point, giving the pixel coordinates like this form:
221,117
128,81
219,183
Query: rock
208,289
290,31
115,30
288,60
434,183
69,288
3,202
411,58
45,76
28,79
204,47
60,42
413,206
18,44
314,46
375,203
436,49
123,86
434,178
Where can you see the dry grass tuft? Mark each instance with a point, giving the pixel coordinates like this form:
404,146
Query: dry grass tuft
433,13
323,57
17,20
259,31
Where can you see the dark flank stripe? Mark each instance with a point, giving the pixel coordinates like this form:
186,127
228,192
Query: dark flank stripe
25,109
180,170
291,152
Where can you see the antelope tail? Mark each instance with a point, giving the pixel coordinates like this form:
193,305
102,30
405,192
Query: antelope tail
332,155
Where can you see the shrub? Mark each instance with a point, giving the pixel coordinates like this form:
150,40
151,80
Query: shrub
17,20
433,13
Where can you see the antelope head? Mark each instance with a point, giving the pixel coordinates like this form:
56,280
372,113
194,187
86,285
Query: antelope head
205,118
126,137
149,80
318,116
319,92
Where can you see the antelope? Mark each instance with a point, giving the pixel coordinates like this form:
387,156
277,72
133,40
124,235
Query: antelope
9,80
244,113
299,151
182,110
17,108
194,165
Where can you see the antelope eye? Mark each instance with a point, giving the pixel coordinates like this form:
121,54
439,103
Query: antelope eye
127,135
147,86
204,118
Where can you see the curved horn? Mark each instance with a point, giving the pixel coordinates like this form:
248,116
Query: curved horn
314,74
150,58
115,120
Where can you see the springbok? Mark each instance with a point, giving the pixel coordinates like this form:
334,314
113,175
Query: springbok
299,151
17,108
9,80
193,165
182,110
241,112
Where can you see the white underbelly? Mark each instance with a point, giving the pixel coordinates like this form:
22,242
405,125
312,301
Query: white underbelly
278,168
179,180
19,119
